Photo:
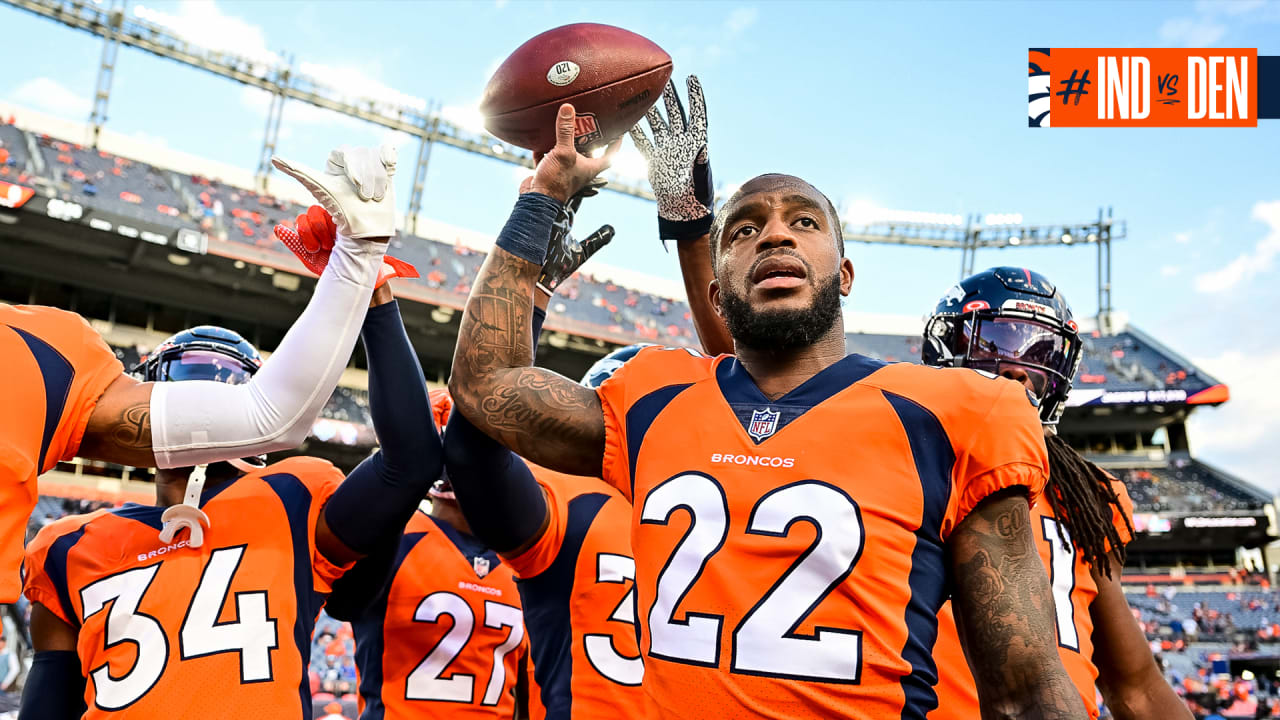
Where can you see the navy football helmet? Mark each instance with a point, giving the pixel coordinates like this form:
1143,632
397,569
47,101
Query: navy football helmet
1008,317
205,352
605,367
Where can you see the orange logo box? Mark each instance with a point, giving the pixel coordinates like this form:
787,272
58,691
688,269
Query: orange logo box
1142,87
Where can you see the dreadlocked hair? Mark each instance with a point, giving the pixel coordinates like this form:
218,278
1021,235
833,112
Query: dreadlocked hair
1081,497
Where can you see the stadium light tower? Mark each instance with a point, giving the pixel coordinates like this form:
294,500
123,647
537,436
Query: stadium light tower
427,125
971,233
106,70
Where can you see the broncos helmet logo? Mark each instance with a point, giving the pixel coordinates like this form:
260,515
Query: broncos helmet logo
1038,97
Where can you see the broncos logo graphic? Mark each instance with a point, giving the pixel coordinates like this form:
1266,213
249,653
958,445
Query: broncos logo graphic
1038,96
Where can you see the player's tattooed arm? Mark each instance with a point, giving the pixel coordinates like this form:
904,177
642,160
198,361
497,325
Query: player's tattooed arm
1004,612
1128,677
119,429
547,418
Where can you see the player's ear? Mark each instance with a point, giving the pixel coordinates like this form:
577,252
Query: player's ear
713,293
846,276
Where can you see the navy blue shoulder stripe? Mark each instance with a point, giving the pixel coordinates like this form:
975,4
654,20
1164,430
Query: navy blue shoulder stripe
641,416
58,373
545,599
295,498
55,567
928,581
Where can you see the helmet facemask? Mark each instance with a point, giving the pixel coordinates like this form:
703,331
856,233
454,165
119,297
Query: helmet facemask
996,340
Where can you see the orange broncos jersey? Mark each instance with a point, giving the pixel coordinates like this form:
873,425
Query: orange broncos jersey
445,638
577,587
790,553
1073,592
171,631
55,369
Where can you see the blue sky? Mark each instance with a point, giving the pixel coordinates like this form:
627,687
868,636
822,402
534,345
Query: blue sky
912,106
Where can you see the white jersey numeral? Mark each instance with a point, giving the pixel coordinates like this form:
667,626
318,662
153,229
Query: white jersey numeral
251,633
428,681
126,625
696,640
1062,576
600,651
765,641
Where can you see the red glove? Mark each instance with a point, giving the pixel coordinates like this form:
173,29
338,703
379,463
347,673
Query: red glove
313,240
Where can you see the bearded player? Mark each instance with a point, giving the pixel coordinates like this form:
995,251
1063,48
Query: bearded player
167,623
798,514
1013,322
67,394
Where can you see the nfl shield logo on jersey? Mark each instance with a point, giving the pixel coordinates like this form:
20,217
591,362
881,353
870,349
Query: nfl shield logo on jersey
763,423
481,565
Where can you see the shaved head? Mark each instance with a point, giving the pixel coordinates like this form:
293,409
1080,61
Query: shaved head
774,182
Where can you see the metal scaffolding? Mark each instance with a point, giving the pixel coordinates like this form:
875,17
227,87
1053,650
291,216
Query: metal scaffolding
430,127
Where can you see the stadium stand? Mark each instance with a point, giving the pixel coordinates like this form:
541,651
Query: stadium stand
114,184
235,215
1188,485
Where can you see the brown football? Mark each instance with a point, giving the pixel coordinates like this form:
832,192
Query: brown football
610,75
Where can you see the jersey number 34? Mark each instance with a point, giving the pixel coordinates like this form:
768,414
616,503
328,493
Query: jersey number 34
252,634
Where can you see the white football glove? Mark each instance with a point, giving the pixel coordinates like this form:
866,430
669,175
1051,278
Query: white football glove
355,188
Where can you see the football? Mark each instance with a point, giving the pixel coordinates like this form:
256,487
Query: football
610,75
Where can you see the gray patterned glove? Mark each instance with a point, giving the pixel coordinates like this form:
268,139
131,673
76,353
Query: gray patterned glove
565,254
678,167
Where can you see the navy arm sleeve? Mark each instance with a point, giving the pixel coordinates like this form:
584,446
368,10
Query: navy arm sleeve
498,495
54,688
379,496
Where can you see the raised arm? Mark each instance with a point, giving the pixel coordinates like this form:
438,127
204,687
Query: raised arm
680,174
497,493
192,423
1004,610
540,415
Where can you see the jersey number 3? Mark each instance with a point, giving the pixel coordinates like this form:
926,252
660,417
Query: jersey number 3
765,642
252,634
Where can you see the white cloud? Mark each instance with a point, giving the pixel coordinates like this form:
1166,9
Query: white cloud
1243,428
1182,238
46,94
202,22
741,19
1170,270
1191,32
1248,264
355,83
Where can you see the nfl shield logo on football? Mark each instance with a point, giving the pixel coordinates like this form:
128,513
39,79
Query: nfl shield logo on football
763,423
481,565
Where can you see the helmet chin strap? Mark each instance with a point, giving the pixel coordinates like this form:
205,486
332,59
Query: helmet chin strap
245,466
188,513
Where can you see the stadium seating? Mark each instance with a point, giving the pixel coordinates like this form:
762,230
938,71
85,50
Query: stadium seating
1186,486
1119,362
114,184
13,152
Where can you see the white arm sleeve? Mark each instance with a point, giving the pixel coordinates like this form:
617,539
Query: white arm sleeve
197,422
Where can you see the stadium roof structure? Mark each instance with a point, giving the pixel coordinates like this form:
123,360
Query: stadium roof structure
427,122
